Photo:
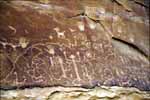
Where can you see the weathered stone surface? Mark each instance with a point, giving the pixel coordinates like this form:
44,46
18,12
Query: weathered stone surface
74,93
73,43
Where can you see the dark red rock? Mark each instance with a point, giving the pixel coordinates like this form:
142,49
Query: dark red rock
51,47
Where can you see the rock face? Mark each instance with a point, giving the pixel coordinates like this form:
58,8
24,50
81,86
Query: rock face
74,93
74,43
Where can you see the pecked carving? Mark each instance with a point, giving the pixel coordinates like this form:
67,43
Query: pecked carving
45,45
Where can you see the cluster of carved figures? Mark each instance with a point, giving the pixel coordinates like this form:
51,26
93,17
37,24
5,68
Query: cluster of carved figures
53,45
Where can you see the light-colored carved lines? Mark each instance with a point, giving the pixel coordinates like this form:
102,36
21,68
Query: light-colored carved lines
92,24
51,61
50,49
12,28
78,55
72,30
23,42
12,70
43,66
75,67
81,26
59,34
16,78
4,44
62,66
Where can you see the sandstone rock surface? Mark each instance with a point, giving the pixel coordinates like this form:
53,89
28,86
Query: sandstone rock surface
81,43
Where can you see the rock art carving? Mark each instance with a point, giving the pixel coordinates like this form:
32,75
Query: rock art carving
74,43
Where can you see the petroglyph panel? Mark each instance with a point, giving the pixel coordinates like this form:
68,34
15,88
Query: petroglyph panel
71,43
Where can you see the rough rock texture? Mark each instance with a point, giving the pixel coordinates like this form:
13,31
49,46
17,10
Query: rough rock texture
74,43
72,93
